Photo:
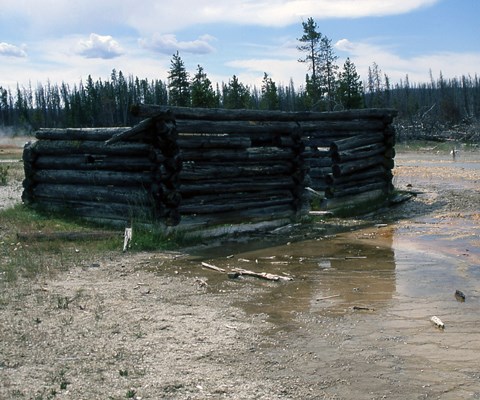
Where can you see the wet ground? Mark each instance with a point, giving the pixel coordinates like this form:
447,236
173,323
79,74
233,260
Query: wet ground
354,323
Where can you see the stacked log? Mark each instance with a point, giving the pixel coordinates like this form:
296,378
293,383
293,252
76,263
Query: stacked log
210,166
348,125
75,170
361,164
238,165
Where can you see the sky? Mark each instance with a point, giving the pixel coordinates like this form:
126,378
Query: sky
65,41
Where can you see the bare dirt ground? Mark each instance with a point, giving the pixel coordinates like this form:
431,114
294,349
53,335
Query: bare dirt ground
353,324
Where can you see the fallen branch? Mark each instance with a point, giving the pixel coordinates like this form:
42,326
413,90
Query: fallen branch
328,297
210,266
263,275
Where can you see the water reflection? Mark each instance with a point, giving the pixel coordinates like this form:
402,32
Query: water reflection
332,275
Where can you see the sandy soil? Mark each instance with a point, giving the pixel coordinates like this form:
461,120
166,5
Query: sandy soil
157,325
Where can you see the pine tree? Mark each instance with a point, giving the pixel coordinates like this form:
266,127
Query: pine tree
178,85
350,88
202,92
328,72
269,99
311,46
236,95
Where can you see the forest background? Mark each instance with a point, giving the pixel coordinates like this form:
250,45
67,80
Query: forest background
426,110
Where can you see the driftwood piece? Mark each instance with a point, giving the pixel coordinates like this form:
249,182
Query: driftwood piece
127,239
212,267
437,322
262,275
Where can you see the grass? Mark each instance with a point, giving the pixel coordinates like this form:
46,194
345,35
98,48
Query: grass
28,258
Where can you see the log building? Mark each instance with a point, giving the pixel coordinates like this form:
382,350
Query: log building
209,167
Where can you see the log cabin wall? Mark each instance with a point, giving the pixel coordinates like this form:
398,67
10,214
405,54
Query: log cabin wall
204,167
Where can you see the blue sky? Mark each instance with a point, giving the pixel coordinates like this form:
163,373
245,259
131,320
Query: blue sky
62,40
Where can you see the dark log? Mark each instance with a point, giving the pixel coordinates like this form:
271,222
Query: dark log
239,127
318,162
375,171
231,206
203,141
128,196
332,192
244,216
358,165
222,198
90,162
62,147
141,128
359,153
95,178
95,134
197,171
321,172
247,185
354,142
250,154
147,110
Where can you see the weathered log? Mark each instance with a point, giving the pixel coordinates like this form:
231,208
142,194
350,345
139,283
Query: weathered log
230,207
247,185
377,171
95,178
331,192
254,129
201,171
358,153
95,162
358,165
252,153
95,134
222,198
62,147
244,216
355,142
213,267
141,127
263,275
129,196
147,110
204,141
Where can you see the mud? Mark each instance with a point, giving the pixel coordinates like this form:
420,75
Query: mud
353,324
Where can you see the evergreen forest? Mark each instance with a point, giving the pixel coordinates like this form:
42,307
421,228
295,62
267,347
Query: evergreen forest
423,108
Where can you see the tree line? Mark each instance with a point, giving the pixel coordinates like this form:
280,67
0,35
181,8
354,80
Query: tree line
327,87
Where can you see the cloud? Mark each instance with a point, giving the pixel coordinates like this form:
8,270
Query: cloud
97,46
396,67
9,50
168,44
